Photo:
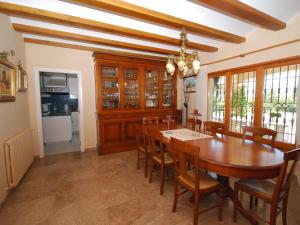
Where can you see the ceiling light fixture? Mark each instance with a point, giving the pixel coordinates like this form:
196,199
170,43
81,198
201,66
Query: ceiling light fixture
188,64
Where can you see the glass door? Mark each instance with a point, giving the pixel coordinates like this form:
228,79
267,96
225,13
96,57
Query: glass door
110,87
167,90
131,88
151,87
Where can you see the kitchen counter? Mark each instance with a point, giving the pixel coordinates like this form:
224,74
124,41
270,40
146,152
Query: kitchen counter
57,114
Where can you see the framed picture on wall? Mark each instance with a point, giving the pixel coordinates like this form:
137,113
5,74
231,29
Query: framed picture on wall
7,82
190,84
22,79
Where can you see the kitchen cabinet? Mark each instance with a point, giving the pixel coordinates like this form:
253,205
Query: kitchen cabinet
57,128
127,89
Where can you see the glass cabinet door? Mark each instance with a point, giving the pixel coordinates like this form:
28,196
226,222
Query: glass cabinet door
110,87
167,90
131,88
151,89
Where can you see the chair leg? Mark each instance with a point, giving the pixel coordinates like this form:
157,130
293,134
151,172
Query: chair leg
146,164
138,160
256,201
196,208
273,215
284,211
221,194
251,202
150,171
162,179
175,196
236,199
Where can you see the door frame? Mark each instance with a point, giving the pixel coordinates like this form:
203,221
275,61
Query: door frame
38,109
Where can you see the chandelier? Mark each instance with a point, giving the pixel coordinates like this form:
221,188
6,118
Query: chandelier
188,64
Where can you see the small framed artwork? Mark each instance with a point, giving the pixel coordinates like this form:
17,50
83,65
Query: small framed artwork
190,84
7,82
22,79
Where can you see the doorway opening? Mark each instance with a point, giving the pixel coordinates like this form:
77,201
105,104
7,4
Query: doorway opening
59,103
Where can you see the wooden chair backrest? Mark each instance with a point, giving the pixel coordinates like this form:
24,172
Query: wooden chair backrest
258,134
214,127
150,120
169,119
192,121
185,153
285,177
155,142
140,136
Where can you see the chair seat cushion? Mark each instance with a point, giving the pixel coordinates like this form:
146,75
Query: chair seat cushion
167,157
265,187
205,181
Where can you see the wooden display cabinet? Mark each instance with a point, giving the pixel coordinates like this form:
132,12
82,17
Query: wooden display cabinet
127,89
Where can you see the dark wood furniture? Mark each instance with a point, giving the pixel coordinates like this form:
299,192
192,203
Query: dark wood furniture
193,180
258,133
159,156
128,89
190,122
143,149
213,128
270,191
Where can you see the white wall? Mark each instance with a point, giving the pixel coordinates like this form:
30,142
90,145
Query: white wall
14,116
40,56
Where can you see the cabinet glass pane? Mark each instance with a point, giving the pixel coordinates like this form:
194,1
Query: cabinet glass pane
151,93
131,88
167,90
110,87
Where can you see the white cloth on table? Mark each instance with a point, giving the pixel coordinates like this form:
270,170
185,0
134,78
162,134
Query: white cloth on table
184,134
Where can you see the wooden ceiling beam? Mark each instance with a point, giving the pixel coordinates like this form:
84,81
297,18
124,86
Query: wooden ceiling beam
139,12
53,17
244,12
92,49
89,39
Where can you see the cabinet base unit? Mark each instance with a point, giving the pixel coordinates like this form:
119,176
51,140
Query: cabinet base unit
116,131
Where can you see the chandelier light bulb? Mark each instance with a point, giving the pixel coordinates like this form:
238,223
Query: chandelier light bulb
170,68
196,66
185,70
181,65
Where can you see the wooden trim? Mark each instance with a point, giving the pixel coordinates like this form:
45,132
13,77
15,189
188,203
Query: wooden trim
266,64
227,102
244,12
252,52
139,12
92,49
89,39
53,17
259,96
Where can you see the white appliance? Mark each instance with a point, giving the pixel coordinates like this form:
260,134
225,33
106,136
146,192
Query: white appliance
57,129
75,122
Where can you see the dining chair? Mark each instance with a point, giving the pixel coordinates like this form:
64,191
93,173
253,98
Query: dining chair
257,134
193,180
143,150
159,157
272,192
150,120
214,128
190,122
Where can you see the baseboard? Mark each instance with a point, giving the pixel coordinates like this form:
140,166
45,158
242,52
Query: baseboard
91,149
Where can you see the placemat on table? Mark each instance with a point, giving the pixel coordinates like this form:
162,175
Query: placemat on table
184,134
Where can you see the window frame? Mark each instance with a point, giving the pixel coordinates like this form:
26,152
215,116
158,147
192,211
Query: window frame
259,95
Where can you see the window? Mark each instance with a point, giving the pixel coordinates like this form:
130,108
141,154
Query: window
242,100
216,98
279,106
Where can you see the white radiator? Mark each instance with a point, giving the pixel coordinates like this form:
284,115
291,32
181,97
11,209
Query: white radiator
18,156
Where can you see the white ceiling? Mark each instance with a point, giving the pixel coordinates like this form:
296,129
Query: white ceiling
281,9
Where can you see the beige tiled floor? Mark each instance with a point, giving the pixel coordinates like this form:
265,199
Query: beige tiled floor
88,189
